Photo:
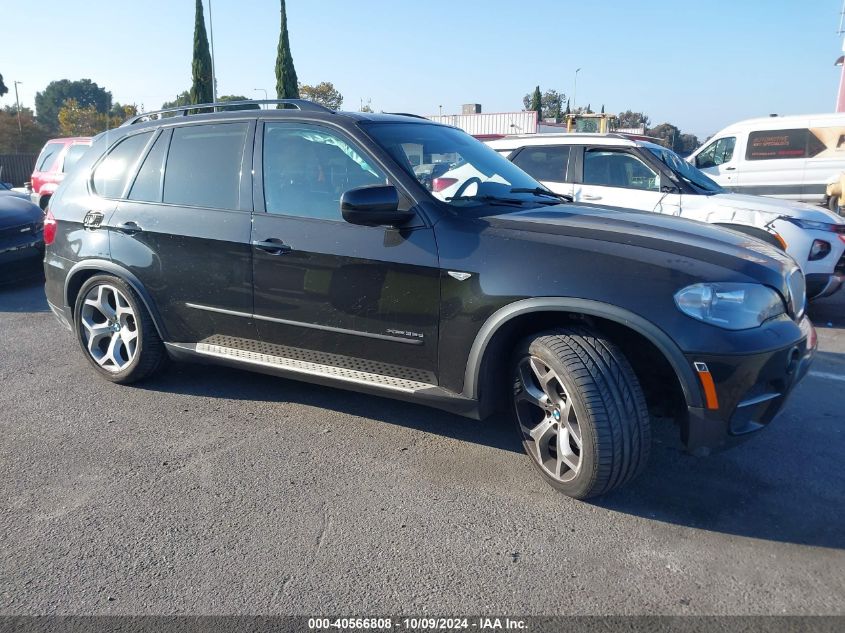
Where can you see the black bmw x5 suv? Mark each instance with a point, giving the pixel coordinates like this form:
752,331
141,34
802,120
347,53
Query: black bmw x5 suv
300,241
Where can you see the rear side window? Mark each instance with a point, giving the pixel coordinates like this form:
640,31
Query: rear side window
48,156
113,172
544,163
73,155
204,165
147,185
780,144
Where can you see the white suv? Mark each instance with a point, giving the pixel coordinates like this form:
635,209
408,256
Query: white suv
614,170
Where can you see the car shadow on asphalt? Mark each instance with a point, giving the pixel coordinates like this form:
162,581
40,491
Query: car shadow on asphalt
760,489
236,384
22,290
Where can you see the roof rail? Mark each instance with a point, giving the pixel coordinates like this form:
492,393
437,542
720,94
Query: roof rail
185,110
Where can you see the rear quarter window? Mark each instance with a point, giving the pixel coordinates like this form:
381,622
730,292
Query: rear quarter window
48,156
113,172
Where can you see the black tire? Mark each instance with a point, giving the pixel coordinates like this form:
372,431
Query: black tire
150,355
612,418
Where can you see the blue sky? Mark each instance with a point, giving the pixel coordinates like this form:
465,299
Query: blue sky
700,65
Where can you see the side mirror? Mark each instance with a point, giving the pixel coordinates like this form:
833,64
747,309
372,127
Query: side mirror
375,205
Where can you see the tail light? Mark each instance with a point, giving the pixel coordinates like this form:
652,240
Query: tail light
439,184
49,228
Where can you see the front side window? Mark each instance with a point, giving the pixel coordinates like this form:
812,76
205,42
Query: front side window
463,171
48,156
73,155
546,164
717,153
204,165
611,168
113,172
307,168
777,144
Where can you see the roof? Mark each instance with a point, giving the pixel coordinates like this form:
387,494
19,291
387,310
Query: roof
521,140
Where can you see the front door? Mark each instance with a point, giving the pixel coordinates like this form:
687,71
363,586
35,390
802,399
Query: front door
617,177
719,161
330,292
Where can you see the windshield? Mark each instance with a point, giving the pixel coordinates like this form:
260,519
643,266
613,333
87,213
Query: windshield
684,170
456,168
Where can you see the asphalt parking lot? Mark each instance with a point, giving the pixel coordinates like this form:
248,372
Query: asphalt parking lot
212,491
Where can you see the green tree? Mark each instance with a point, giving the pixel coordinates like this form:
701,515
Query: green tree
602,108
182,99
28,140
202,90
536,103
568,109
629,119
551,103
84,91
287,86
248,106
3,88
668,134
688,144
366,107
323,93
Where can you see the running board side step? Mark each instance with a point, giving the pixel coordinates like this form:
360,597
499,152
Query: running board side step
329,375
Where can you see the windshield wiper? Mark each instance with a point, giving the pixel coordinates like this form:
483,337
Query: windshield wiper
488,198
539,191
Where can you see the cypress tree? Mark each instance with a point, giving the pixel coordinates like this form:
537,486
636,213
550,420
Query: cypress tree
537,103
287,86
201,89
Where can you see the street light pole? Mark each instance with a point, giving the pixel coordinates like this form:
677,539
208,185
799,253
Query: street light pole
262,90
575,88
213,74
18,105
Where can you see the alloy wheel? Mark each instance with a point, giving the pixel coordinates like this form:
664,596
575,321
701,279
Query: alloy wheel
548,419
109,327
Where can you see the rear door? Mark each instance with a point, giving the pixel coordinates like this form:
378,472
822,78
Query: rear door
547,163
330,292
182,226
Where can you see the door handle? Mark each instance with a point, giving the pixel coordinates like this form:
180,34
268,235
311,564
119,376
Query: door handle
591,197
129,228
730,168
272,245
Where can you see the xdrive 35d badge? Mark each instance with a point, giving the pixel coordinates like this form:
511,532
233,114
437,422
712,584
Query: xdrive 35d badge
321,245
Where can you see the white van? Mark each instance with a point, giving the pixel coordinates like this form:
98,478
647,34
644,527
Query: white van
792,157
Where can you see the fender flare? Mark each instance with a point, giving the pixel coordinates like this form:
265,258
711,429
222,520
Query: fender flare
106,266
662,341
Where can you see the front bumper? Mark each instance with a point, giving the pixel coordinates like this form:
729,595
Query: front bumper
751,390
23,247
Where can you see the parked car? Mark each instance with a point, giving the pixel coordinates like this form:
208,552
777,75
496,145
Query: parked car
300,242
791,157
21,230
623,172
56,159
7,190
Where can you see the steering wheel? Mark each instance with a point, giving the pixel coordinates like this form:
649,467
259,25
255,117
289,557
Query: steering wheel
465,186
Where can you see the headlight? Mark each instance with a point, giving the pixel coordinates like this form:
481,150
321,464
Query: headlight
732,306
817,226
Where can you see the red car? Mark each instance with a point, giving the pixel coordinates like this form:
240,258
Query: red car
55,160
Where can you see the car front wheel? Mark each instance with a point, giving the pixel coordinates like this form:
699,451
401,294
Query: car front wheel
580,411
115,331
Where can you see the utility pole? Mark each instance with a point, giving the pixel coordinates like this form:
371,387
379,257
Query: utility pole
265,94
575,88
18,105
213,74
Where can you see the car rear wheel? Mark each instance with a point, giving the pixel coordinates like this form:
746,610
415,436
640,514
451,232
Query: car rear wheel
580,411
115,331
